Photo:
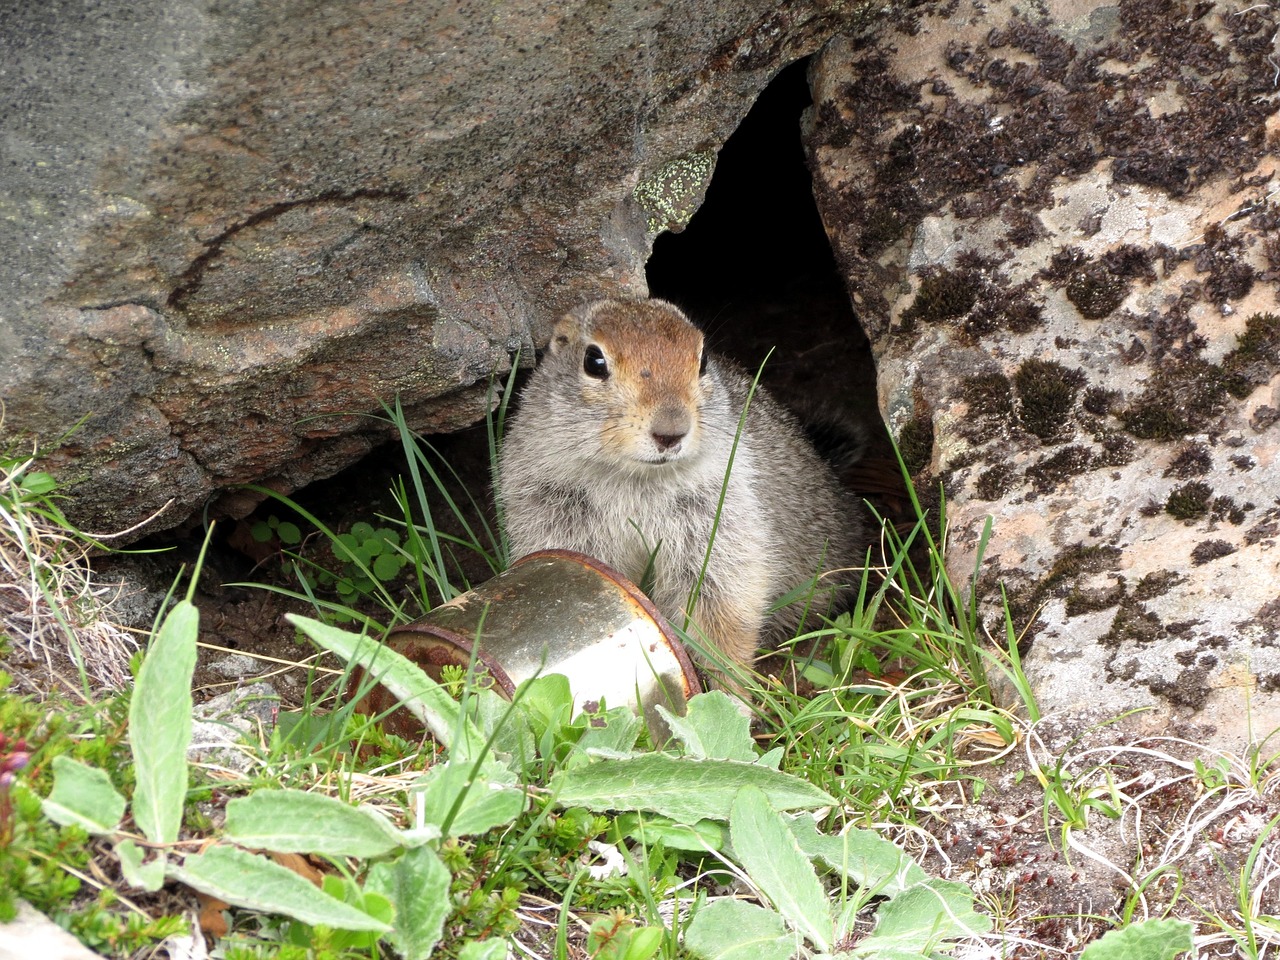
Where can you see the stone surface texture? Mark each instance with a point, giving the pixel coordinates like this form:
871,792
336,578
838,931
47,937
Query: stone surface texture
232,230
1058,222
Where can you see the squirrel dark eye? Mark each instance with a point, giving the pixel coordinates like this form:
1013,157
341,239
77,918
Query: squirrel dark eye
594,364
702,363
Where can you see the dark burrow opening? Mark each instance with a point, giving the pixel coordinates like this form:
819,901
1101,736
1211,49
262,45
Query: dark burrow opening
753,268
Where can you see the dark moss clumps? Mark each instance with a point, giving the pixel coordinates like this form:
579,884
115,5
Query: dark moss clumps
1100,401
1210,550
1156,584
1085,600
1225,508
988,394
1191,688
1184,396
943,295
1063,580
1077,561
995,482
989,397
1046,395
1096,291
1133,622
1193,460
1230,277
1117,450
1256,358
1098,287
1068,462
1189,502
915,444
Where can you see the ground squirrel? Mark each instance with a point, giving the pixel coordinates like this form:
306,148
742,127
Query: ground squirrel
620,448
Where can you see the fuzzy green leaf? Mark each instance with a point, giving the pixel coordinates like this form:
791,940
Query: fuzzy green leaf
866,858
713,729
83,796
650,829
289,534
1148,940
506,724
145,876
734,930
417,884
160,724
294,821
488,801
256,883
922,917
684,790
764,845
493,949
421,695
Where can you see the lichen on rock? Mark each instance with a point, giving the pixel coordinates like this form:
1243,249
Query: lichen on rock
1060,231
671,195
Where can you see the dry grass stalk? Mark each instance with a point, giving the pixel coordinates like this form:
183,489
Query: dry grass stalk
49,602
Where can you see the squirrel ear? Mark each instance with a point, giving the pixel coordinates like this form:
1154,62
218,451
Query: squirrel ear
562,334
571,326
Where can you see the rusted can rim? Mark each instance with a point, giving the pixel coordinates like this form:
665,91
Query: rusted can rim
635,594
500,676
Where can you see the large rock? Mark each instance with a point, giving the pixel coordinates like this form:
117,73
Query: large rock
232,230
1060,230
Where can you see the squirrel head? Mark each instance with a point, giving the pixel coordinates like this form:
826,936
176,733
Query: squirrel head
641,372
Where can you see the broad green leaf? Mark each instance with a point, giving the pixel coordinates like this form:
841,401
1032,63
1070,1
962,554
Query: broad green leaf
256,883
764,845
417,884
38,483
922,917
864,857
713,729
488,801
83,796
148,876
1148,940
493,949
734,930
548,703
500,720
650,828
772,759
366,901
685,790
613,732
421,695
293,821
386,566
160,724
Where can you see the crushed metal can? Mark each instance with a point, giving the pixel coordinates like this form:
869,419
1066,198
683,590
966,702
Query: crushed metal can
553,611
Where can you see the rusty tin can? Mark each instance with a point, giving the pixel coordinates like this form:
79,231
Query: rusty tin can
557,611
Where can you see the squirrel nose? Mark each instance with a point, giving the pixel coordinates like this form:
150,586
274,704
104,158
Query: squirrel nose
669,426
665,441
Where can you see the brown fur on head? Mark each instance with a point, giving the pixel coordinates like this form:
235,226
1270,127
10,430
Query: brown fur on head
641,364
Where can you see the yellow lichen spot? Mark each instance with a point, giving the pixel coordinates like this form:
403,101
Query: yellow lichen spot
672,194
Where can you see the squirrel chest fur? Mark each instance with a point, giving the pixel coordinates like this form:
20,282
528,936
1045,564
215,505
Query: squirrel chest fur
620,450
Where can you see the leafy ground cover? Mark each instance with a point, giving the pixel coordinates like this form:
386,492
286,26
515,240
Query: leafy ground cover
877,804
